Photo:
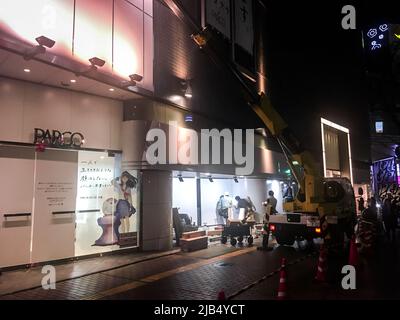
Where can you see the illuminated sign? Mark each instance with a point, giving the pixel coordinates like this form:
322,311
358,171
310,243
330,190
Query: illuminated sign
55,138
376,36
326,124
379,126
398,174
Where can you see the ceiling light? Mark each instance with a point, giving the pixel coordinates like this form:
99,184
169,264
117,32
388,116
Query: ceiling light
27,70
72,80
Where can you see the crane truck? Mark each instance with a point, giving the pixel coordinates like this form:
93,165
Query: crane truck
323,207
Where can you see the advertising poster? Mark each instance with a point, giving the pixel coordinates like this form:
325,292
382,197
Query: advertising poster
107,200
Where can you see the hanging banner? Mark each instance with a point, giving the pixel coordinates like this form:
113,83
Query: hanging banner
218,15
244,25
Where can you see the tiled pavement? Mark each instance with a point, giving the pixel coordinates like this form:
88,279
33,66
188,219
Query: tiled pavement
13,281
179,276
198,276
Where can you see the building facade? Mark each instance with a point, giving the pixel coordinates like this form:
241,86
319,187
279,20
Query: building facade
83,82
382,50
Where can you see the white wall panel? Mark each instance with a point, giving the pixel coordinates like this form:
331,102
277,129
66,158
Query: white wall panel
25,106
55,190
11,110
16,193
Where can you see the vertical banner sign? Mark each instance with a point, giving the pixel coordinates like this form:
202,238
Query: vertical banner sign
244,24
218,15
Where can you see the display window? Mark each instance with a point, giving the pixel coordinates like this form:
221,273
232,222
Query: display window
217,196
60,204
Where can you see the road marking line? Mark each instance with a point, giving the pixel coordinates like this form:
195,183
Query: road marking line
156,277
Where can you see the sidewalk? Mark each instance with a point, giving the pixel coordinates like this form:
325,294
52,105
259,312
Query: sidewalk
23,279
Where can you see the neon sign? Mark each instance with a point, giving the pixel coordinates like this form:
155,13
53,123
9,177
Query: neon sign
376,36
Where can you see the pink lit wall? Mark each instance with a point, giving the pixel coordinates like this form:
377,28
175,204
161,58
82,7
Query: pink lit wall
86,28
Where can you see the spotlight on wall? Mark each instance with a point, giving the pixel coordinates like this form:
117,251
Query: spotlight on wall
132,82
210,179
94,64
136,77
43,43
235,179
180,178
97,62
188,91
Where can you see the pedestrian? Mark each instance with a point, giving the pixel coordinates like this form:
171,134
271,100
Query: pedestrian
389,219
361,205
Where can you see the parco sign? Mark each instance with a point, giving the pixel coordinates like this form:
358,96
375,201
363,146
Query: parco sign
56,138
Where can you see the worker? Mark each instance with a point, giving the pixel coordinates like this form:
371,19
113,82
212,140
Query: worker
272,201
223,208
243,204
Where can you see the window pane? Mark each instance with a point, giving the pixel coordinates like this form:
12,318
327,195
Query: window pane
28,20
128,39
93,31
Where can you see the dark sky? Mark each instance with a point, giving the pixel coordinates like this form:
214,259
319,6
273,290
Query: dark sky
316,68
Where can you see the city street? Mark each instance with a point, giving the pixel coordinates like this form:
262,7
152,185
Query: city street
203,274
199,150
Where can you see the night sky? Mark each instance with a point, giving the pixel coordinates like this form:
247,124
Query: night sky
316,68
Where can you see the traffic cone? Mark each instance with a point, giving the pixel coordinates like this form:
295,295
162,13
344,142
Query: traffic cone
353,255
221,295
282,281
322,265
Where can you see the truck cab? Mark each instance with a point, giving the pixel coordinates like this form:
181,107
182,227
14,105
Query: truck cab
335,213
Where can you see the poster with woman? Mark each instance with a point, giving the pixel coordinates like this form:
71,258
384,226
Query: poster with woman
107,205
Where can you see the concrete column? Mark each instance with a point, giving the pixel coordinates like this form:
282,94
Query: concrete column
157,210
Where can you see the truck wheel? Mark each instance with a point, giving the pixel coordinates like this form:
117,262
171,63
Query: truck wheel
250,240
240,239
233,242
285,240
224,240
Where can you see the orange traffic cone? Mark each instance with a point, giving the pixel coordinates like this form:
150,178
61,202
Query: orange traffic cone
282,281
322,266
221,295
353,255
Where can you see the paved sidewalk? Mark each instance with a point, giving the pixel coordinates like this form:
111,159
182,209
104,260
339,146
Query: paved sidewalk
202,274
22,279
